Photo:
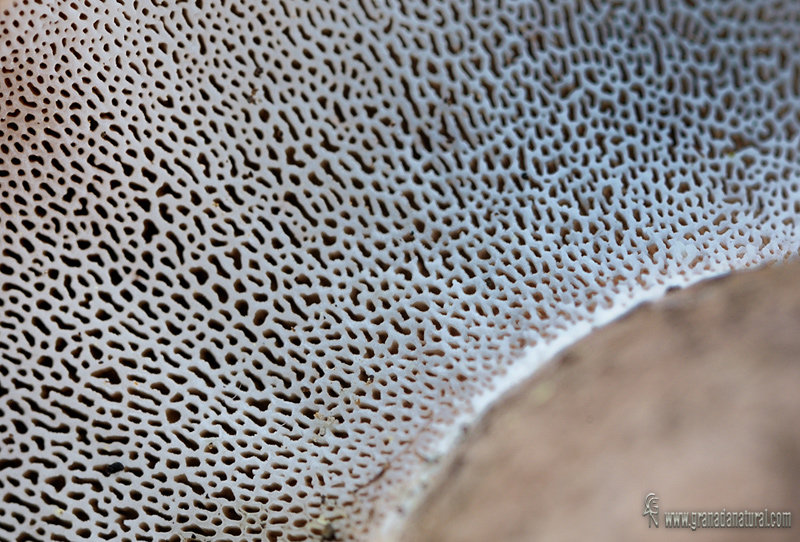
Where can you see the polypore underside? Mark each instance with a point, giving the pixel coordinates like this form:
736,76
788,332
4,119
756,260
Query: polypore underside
258,259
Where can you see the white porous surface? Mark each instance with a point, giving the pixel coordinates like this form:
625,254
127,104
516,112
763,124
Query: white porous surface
258,258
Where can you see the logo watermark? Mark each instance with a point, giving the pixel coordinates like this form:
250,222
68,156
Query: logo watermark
651,509
721,519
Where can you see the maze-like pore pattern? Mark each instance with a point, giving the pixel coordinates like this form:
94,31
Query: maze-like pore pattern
257,257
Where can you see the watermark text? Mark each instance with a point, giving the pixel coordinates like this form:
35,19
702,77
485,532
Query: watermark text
719,519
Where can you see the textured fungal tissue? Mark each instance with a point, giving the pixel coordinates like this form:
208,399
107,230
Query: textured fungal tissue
260,259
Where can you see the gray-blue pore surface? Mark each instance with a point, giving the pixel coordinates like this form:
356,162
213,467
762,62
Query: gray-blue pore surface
259,258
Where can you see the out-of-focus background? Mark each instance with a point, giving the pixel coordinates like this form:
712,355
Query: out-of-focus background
695,398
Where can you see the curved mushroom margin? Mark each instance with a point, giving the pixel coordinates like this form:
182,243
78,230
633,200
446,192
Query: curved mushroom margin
693,398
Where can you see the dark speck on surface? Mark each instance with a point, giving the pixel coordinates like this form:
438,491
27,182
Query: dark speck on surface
114,468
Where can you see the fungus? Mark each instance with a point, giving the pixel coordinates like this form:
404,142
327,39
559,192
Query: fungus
264,256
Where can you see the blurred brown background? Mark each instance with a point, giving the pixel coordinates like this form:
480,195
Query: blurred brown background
695,398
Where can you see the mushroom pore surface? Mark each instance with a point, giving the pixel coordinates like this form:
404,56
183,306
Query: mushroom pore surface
259,259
